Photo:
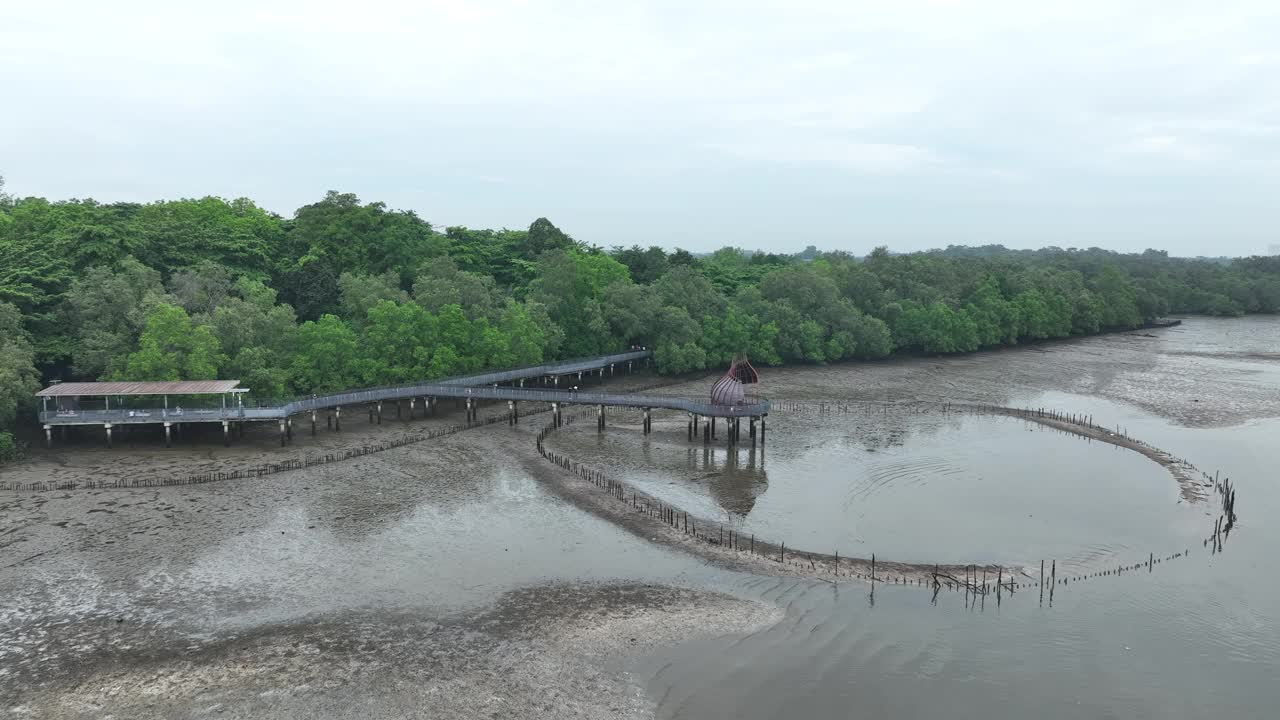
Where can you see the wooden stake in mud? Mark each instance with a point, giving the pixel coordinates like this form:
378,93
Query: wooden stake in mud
1053,580
1042,582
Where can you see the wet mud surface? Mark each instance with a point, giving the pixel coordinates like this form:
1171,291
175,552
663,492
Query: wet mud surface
458,577
546,652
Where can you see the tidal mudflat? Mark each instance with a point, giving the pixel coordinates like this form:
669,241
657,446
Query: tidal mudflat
451,578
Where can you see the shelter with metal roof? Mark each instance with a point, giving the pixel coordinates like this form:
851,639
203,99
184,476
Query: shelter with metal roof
121,389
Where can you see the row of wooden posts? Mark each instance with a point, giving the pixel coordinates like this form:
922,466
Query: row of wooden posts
975,581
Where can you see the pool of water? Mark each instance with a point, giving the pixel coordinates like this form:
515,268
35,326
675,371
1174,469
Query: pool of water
916,487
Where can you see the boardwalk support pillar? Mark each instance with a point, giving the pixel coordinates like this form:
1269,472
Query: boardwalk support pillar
283,442
168,434
337,419
648,422
600,419
107,427
379,412
226,433
313,423
288,429
411,401
762,430
48,436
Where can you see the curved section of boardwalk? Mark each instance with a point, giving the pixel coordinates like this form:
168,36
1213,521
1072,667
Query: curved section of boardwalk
482,386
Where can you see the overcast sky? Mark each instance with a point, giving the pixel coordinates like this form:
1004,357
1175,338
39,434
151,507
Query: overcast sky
839,123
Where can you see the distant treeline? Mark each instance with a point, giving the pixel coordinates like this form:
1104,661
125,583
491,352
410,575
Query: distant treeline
345,294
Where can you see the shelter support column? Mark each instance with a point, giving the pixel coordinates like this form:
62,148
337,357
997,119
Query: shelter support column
411,401
337,419
288,429
600,419
168,434
107,427
762,430
226,433
648,422
313,423
48,436
693,421
379,412
282,437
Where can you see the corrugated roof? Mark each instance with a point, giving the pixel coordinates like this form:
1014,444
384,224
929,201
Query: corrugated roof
180,387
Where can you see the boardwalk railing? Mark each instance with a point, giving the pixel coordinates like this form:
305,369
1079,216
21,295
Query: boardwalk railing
475,387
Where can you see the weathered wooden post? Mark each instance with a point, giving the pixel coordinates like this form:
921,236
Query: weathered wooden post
226,433
313,423
379,412
282,438
337,419
168,434
48,436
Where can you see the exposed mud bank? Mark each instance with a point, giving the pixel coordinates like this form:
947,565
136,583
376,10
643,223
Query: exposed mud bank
549,652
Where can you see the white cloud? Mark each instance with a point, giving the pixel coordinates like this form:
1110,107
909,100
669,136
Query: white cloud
281,99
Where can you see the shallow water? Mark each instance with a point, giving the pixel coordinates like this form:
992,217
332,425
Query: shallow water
1196,637
445,527
917,487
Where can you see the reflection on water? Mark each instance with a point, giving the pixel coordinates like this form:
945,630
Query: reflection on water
735,479
918,486
1196,638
